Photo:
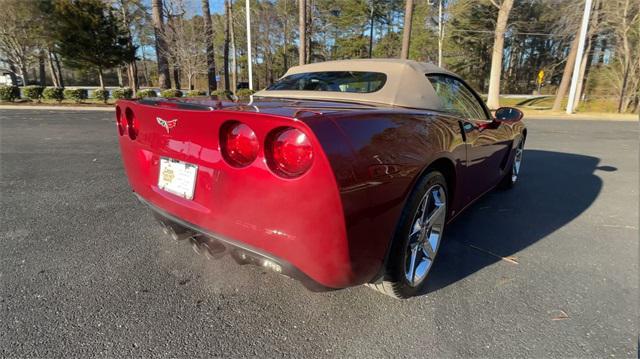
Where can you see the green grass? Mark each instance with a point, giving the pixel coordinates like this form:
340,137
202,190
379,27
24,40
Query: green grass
545,103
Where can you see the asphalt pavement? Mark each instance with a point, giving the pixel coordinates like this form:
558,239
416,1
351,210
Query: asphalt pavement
548,269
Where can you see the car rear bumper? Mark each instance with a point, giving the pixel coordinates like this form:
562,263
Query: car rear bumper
216,245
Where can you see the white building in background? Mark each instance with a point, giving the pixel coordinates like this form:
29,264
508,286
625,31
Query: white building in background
6,78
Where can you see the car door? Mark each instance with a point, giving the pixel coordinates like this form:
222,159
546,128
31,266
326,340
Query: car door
486,149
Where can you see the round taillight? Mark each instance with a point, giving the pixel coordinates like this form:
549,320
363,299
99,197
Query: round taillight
120,121
289,152
238,143
132,125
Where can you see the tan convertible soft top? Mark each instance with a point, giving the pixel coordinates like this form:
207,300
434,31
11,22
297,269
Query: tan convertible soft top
406,85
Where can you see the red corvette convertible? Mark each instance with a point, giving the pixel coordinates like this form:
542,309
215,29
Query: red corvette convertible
339,174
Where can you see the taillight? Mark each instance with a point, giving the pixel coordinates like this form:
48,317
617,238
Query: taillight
132,125
238,143
289,152
119,121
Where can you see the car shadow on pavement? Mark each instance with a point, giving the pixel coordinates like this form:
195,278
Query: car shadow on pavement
553,189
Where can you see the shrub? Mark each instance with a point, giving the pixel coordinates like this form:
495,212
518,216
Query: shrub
244,93
33,92
9,93
101,94
146,93
171,93
121,93
196,93
222,94
76,94
54,93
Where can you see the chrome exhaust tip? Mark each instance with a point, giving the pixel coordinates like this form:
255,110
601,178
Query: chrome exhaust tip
210,247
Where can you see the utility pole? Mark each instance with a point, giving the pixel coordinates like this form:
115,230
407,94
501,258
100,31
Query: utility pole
249,61
576,66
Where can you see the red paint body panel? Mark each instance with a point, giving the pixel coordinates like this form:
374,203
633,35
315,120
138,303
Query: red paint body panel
335,222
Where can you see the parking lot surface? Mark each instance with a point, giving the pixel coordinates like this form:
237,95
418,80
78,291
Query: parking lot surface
549,268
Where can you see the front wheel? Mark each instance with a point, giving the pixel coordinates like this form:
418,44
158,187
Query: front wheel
511,177
417,239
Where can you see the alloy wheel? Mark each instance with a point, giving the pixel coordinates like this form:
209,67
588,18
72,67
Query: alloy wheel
425,235
517,162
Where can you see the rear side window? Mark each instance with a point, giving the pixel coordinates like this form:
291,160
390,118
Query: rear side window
457,98
335,81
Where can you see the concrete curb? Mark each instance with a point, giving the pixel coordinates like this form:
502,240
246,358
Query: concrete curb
58,108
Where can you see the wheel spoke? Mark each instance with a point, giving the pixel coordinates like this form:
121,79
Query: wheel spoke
437,212
412,264
429,248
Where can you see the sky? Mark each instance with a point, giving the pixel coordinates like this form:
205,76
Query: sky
215,6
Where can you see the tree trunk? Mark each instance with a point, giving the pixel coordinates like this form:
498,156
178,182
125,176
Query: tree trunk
119,74
59,68
54,75
176,76
42,75
566,75
493,98
285,58
145,71
24,74
161,45
100,77
406,32
212,85
581,77
623,90
302,29
132,74
234,68
227,85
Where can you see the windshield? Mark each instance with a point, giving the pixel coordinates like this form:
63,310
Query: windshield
336,81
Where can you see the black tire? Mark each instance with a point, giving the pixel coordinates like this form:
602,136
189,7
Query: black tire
394,282
509,180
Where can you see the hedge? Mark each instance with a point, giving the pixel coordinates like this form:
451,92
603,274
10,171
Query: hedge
122,93
76,94
101,94
33,92
196,93
54,93
221,93
9,93
146,93
171,93
244,93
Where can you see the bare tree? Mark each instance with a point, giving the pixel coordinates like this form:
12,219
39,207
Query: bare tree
16,38
161,46
493,98
188,47
623,18
212,85
302,25
406,32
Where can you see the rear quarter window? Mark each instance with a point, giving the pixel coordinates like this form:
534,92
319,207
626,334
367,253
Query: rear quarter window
334,81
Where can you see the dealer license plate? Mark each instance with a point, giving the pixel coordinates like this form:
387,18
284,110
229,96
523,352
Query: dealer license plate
177,177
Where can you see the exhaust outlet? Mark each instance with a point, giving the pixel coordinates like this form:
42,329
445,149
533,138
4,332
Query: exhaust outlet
210,247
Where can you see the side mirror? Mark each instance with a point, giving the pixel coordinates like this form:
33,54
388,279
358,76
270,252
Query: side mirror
508,114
